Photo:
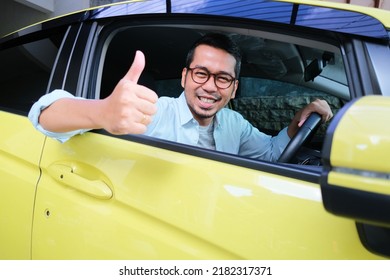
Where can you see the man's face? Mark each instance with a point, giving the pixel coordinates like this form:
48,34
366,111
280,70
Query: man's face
205,100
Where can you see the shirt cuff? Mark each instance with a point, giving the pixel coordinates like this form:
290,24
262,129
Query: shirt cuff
44,102
283,139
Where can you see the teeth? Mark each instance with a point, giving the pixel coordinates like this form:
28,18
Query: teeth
207,100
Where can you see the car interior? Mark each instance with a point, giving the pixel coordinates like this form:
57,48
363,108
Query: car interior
280,73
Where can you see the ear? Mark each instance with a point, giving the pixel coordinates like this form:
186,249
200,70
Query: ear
183,77
235,87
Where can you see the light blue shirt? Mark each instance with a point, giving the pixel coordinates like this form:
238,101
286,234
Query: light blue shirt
174,121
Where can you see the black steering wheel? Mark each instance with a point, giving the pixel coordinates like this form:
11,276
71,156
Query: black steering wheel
308,128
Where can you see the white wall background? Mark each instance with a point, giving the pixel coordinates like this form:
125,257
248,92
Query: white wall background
16,14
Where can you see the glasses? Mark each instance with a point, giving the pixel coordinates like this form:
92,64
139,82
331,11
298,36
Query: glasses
201,75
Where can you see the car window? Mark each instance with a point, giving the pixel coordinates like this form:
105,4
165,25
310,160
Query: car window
280,74
25,72
270,105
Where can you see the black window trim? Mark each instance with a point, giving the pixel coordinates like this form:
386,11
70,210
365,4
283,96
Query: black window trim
58,76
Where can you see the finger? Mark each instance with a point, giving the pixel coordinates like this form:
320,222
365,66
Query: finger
146,107
301,122
136,68
303,118
136,128
328,117
146,119
147,94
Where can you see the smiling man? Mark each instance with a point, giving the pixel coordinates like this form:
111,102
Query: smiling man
213,76
197,117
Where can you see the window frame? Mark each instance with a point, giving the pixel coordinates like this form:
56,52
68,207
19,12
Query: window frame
105,32
23,42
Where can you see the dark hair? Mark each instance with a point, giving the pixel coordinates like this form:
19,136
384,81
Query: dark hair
219,41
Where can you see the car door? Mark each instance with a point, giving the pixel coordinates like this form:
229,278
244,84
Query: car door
20,149
24,75
102,196
135,197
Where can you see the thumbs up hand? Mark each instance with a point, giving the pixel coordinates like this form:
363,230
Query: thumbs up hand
130,107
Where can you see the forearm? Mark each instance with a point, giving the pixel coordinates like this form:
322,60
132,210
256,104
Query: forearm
128,110
68,114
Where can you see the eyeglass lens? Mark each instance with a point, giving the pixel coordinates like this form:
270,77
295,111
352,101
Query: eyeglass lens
201,75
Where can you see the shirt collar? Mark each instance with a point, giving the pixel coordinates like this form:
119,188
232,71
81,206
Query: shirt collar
184,110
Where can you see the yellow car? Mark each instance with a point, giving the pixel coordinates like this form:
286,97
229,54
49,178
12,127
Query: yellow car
101,196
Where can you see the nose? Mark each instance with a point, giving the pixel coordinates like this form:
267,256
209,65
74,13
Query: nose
210,85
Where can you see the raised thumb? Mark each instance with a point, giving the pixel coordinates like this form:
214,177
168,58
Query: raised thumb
136,68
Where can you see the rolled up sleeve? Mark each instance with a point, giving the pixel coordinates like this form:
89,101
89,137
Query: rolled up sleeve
44,102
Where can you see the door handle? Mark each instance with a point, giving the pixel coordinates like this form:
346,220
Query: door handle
66,174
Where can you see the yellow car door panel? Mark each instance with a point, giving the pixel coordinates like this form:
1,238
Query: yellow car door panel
100,196
20,150
25,71
171,205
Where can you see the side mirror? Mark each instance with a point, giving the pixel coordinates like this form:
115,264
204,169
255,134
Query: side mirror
356,153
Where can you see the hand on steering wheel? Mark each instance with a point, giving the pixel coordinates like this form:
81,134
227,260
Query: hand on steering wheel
308,128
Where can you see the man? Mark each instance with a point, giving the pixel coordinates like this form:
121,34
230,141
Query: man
197,117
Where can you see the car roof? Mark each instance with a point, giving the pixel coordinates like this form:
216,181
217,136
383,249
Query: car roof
380,14
343,18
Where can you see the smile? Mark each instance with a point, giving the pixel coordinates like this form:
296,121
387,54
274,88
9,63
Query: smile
207,100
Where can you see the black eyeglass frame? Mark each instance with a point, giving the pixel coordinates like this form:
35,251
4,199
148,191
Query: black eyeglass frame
209,74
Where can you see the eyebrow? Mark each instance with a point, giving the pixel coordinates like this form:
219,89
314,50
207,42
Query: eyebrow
220,72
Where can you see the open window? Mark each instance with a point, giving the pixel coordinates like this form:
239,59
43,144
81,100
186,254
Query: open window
280,74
